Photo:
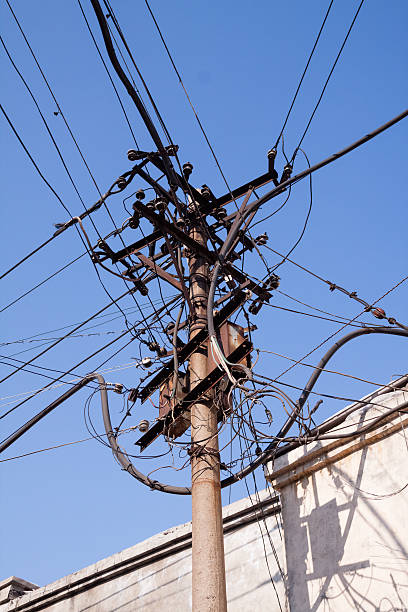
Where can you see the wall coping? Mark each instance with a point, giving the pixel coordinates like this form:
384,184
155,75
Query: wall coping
164,544
307,459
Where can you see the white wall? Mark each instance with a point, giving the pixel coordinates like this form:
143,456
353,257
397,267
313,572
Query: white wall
155,575
345,512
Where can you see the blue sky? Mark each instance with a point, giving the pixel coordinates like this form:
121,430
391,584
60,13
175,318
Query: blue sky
69,507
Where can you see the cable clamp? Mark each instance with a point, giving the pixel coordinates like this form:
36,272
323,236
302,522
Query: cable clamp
196,450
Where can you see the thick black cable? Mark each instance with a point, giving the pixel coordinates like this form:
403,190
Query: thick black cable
131,91
328,160
108,73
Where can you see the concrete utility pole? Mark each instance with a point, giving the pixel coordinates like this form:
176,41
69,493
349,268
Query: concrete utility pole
208,566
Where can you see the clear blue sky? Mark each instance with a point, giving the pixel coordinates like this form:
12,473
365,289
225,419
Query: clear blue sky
69,507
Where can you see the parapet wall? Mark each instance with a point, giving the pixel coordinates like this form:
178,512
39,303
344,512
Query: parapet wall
345,515
155,575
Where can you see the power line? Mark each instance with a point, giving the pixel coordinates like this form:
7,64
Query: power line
130,308
302,233
303,75
343,327
309,365
108,73
327,82
65,336
41,176
20,297
82,361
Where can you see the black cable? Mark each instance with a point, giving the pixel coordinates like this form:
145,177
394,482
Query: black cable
328,160
82,362
308,314
42,177
66,335
303,75
122,37
302,233
108,73
44,122
326,83
28,338
43,282
16,265
131,91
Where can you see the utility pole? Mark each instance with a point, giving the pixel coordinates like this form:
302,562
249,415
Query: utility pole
208,565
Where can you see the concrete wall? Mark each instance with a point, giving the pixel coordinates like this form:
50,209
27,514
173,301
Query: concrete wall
345,514
155,575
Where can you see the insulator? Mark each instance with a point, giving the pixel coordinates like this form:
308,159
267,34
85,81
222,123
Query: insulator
160,204
170,328
140,286
230,281
143,425
206,192
262,239
220,214
140,194
118,388
133,395
146,362
164,248
286,174
134,155
134,222
172,149
153,346
150,205
379,313
273,281
187,170
180,223
271,160
255,307
121,182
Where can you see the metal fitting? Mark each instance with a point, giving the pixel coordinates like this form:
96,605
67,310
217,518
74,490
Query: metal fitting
143,425
187,170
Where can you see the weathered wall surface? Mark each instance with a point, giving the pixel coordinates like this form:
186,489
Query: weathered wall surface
345,514
155,575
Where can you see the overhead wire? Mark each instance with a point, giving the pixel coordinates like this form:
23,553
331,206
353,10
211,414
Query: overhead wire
309,210
56,342
303,74
326,82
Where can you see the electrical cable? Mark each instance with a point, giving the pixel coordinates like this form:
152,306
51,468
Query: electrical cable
303,75
326,83
131,91
20,297
302,233
328,160
66,335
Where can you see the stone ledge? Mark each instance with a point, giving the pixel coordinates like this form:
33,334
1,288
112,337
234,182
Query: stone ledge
13,587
